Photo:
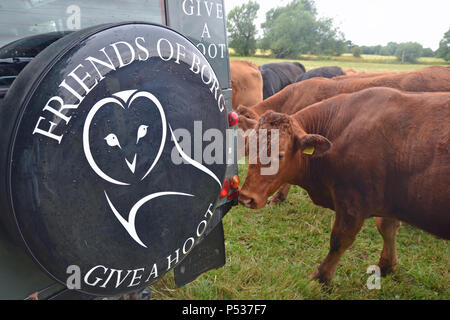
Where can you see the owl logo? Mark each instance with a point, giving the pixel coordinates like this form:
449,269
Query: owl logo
131,149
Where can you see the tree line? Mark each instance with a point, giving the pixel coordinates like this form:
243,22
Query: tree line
295,29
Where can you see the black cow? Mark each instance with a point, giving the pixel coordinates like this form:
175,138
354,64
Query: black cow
276,76
325,72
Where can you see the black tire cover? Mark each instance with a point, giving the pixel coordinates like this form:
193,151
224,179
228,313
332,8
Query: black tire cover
86,148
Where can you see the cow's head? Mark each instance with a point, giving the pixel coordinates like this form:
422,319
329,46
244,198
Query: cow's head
295,146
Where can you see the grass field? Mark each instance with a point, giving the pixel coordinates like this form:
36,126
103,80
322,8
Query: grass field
272,252
367,63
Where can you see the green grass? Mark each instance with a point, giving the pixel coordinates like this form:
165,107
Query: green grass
272,252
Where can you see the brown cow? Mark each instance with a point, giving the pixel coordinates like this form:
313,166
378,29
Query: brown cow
364,75
301,95
246,82
379,152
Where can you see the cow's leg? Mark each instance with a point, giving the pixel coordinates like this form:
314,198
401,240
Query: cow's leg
388,229
281,195
345,229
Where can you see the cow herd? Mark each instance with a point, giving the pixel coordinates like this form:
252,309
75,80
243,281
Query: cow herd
363,145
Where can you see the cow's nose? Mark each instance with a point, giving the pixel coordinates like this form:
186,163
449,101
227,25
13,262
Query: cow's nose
246,201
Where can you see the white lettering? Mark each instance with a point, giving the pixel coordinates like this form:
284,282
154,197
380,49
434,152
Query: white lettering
131,53
209,79
198,8
205,31
203,222
185,9
97,280
221,103
154,272
216,87
209,212
135,277
208,9
195,64
190,247
64,85
81,81
119,272
202,48
222,50
170,47
170,261
180,52
142,48
47,133
212,55
95,61
63,107
219,10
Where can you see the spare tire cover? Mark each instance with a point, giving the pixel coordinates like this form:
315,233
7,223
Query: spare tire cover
89,164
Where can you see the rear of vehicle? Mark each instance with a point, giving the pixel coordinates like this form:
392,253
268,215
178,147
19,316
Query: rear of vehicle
73,215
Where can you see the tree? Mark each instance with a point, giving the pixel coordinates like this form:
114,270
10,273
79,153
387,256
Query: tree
409,52
356,52
295,29
444,47
427,52
350,45
331,40
390,49
241,28
371,49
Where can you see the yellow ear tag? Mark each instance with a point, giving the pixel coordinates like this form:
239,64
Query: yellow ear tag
309,150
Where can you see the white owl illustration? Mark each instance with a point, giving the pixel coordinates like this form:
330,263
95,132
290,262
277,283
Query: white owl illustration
132,148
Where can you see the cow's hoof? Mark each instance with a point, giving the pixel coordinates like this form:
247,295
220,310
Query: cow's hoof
386,269
317,275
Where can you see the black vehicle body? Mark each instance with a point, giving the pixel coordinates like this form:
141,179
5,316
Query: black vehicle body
33,57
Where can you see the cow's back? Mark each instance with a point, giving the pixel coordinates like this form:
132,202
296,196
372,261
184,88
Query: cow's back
361,75
276,76
392,148
308,92
246,82
323,72
430,79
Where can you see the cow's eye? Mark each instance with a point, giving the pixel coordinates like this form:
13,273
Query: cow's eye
280,156
112,140
142,132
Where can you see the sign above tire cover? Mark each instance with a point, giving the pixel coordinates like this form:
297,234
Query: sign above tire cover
90,176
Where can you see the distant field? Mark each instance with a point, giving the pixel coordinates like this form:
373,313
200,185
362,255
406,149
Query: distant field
357,66
272,252
367,63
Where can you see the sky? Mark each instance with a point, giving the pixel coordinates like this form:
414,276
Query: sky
373,22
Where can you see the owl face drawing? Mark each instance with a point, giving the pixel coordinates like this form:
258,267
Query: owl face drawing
115,133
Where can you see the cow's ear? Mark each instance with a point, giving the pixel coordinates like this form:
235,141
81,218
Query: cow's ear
313,145
245,123
247,112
